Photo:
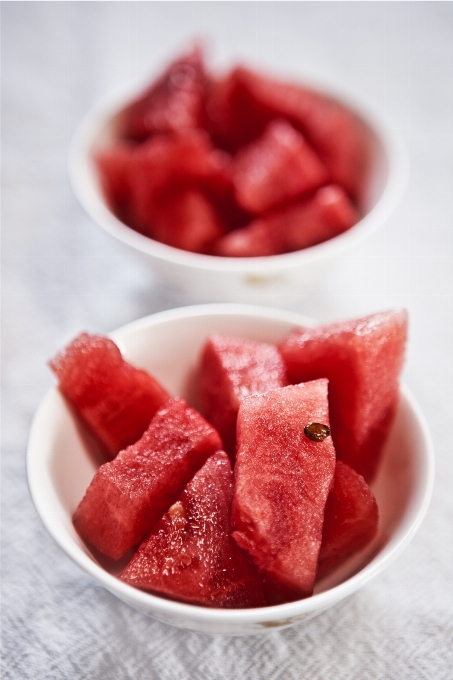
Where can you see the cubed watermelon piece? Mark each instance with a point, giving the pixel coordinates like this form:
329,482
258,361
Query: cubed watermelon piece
233,117
230,214
187,220
281,482
232,369
351,519
128,495
166,165
275,168
114,399
336,134
190,555
362,359
328,213
173,103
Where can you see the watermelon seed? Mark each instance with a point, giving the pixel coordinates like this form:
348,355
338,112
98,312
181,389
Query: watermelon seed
317,432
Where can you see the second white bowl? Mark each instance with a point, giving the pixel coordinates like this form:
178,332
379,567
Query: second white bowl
205,278
60,467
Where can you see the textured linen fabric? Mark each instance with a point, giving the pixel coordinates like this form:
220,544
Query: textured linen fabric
61,275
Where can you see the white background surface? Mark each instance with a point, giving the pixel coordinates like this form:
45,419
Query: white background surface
62,275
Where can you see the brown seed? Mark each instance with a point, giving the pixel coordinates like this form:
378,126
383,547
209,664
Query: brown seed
316,431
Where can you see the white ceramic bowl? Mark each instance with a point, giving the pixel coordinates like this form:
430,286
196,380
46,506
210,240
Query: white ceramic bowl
269,280
168,344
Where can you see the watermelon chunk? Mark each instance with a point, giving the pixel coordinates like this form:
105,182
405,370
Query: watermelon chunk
128,495
281,482
190,554
351,519
362,359
277,167
233,118
174,103
335,133
232,369
304,224
114,399
187,220
165,166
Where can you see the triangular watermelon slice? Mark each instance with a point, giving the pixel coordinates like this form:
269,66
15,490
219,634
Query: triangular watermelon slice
275,168
190,555
115,400
233,118
362,360
282,479
351,519
174,103
232,369
128,495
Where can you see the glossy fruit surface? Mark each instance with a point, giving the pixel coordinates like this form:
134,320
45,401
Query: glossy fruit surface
115,400
232,369
275,168
173,103
351,519
196,157
281,483
362,360
190,554
304,223
128,495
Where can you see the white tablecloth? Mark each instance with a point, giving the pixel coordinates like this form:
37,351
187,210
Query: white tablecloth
61,274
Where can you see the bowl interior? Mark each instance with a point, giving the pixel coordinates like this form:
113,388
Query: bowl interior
62,460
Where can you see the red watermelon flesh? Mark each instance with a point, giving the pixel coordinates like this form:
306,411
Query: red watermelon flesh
233,118
166,165
232,369
362,359
351,519
128,495
288,141
328,213
230,214
115,400
281,482
113,165
187,220
275,168
335,133
174,103
190,555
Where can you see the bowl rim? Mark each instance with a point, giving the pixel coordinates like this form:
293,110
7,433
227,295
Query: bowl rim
39,483
80,169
